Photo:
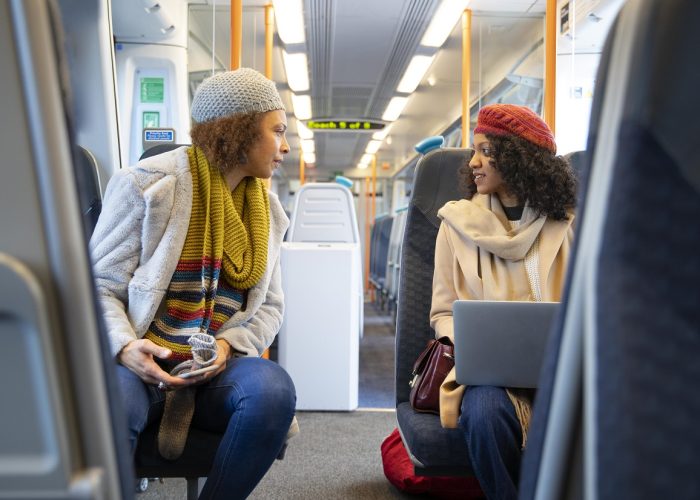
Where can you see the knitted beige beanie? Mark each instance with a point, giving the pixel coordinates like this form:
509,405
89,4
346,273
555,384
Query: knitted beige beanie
241,91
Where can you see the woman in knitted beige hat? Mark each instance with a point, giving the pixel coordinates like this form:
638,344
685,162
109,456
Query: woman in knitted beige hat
510,239
186,256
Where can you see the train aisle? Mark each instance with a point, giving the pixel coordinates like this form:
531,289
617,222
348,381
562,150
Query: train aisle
336,454
377,360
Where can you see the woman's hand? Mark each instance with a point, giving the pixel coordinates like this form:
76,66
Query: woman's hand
137,356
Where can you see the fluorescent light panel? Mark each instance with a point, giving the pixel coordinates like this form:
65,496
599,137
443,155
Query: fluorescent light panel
289,15
443,22
303,131
394,109
309,157
302,106
296,66
362,166
381,135
373,147
414,73
308,146
366,159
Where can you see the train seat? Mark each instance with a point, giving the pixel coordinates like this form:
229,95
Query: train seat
433,450
158,149
628,346
578,161
376,250
373,242
379,254
394,254
89,188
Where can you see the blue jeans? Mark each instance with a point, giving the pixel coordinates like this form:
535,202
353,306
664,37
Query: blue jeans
494,439
251,402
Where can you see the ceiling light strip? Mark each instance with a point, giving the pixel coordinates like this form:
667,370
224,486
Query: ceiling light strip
443,22
289,15
296,67
415,72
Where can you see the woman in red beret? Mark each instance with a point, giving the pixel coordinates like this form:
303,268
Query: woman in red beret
510,239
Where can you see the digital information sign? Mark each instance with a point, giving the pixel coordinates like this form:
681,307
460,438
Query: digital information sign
354,125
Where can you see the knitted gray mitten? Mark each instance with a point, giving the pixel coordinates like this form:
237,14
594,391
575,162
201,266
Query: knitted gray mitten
179,404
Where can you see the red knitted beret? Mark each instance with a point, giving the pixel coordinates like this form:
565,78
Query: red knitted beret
509,119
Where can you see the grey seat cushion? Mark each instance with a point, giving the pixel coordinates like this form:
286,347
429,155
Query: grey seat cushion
444,451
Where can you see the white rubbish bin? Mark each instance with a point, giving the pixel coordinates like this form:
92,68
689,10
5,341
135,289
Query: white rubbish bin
322,282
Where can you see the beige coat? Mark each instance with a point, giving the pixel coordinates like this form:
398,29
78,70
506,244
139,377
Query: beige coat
478,257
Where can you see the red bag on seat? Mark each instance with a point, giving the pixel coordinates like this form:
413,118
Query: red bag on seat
429,372
398,469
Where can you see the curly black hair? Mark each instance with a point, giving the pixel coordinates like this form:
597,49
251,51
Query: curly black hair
226,141
531,173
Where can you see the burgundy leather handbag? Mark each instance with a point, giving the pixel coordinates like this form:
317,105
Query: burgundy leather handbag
429,371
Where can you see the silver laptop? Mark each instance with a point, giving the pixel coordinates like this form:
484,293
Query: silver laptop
501,343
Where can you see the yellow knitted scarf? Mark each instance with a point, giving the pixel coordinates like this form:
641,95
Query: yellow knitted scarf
228,233
237,224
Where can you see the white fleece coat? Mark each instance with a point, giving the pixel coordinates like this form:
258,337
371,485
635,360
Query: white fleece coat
138,241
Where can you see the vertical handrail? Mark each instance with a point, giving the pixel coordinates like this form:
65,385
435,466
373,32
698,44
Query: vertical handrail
269,32
301,168
466,73
236,33
550,66
374,187
367,233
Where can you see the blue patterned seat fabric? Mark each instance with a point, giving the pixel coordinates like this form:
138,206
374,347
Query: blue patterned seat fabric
647,316
434,450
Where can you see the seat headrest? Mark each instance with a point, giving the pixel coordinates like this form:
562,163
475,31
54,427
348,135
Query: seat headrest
436,180
577,160
158,149
669,104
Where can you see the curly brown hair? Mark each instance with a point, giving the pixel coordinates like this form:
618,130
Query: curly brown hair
226,141
531,173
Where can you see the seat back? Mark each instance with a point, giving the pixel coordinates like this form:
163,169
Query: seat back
578,161
629,344
394,253
159,149
436,183
374,246
89,188
380,250
62,429
324,212
647,333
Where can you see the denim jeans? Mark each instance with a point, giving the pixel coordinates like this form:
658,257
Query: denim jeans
494,439
251,402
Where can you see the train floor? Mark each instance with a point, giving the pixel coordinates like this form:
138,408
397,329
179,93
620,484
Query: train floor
336,455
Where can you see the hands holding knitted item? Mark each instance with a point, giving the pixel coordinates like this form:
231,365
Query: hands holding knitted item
179,405
205,351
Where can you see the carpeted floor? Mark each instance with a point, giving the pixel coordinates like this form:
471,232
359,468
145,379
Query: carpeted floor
376,379
335,456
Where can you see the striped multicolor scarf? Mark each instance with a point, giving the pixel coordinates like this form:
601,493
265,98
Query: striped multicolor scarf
228,233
